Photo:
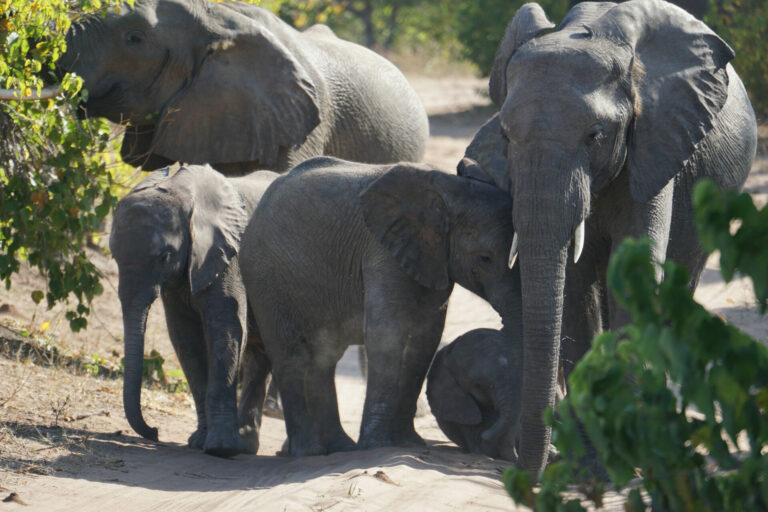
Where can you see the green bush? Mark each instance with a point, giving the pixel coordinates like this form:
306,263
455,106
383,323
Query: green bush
55,181
632,390
480,25
744,25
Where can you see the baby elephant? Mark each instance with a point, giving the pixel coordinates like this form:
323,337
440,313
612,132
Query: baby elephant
178,236
474,390
341,253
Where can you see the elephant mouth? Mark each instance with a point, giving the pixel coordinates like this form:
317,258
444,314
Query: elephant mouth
103,104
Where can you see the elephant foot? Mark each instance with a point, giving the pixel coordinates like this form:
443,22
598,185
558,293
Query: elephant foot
272,408
343,443
197,439
295,448
223,443
250,440
404,438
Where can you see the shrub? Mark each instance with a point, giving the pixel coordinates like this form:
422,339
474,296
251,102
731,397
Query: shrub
744,25
55,184
669,397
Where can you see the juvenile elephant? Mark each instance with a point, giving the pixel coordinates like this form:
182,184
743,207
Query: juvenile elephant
474,388
178,237
608,123
232,85
342,253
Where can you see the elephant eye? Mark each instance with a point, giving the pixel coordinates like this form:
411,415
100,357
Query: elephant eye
134,37
596,133
483,260
165,257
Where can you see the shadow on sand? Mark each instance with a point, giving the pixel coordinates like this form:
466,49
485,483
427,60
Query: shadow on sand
131,461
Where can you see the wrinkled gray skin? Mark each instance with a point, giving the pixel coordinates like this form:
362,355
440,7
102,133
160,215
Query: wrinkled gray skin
474,388
696,7
610,119
178,237
341,253
232,85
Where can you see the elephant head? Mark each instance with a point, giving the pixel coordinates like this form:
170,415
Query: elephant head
627,89
179,231
474,391
183,72
443,229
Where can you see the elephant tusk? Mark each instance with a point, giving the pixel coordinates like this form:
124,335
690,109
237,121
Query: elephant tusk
578,241
513,252
16,95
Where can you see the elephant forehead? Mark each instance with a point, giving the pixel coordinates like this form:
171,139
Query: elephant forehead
148,213
135,243
560,63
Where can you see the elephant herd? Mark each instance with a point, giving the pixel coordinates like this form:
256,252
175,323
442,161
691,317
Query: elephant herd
316,232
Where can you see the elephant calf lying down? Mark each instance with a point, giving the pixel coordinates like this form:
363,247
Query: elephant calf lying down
474,388
178,236
340,253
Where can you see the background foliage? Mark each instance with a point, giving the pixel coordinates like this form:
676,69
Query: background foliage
670,398
744,25
55,187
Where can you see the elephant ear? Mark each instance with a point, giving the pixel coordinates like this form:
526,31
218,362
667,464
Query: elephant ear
217,221
679,82
528,22
406,212
448,401
152,179
488,153
250,95
582,14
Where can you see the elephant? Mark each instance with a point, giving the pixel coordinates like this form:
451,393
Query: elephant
341,253
696,7
474,388
231,85
607,123
178,237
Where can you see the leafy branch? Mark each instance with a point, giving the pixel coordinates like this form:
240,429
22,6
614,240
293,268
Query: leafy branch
56,172
674,403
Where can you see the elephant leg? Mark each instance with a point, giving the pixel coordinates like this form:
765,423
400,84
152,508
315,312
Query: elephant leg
362,359
272,407
403,325
255,370
320,386
186,333
223,309
638,220
303,367
583,301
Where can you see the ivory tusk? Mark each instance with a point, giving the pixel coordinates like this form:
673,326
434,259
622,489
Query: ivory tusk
578,242
513,252
16,95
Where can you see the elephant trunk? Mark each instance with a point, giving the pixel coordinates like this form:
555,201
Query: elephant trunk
542,286
551,201
134,326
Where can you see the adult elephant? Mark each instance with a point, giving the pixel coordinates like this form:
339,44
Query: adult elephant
609,121
232,85
696,7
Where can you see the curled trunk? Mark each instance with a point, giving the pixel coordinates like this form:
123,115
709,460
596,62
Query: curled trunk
134,325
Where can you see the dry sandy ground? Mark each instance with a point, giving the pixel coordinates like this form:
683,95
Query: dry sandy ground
65,445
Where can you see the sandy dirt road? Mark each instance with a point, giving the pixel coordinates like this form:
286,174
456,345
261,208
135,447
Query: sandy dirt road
64,444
